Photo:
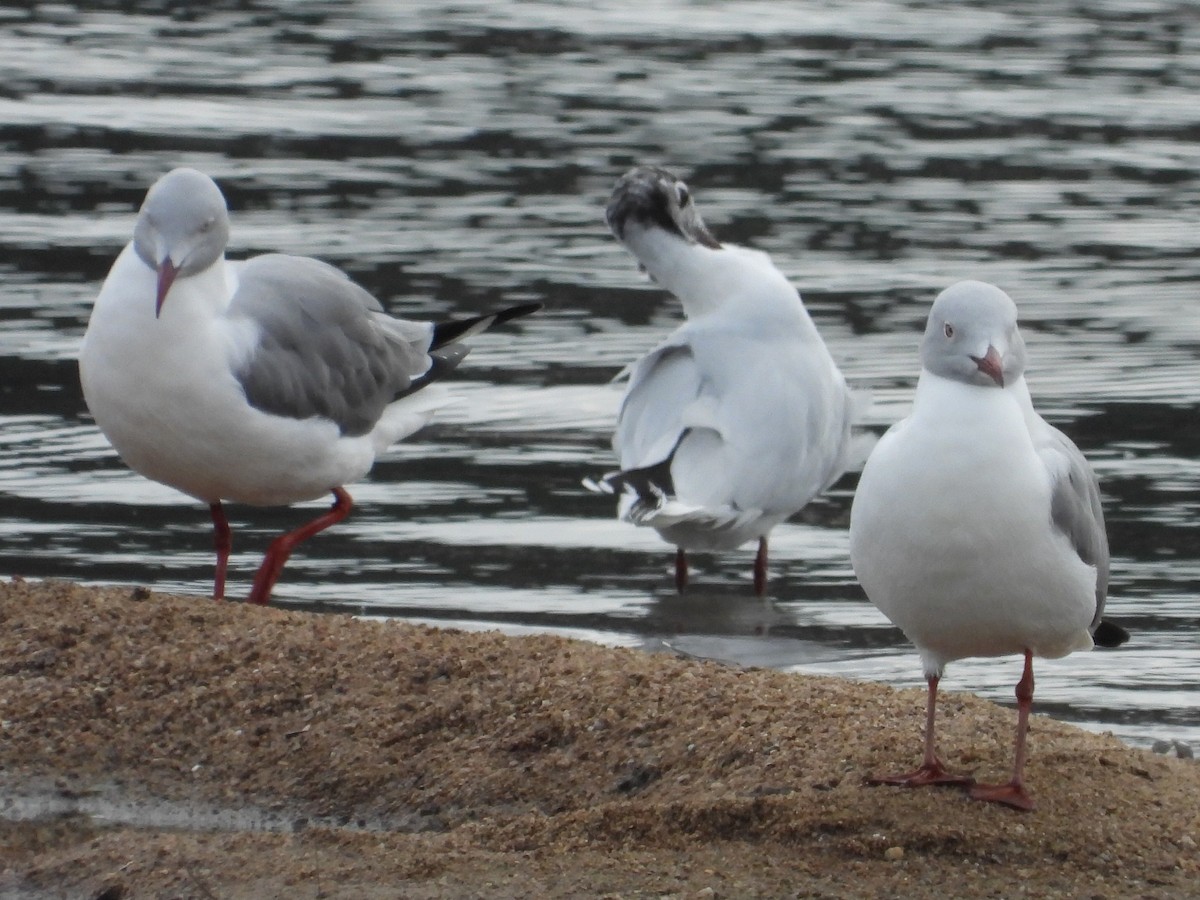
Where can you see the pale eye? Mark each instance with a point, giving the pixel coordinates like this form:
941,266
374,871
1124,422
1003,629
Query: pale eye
681,193
948,330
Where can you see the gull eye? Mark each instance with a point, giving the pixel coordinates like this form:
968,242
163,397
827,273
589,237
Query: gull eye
208,225
682,195
948,330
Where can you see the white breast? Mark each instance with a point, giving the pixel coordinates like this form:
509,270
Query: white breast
951,535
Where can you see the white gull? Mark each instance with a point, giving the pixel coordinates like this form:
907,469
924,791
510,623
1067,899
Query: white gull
740,417
977,526
266,382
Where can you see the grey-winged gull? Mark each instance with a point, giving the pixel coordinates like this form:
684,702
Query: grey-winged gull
977,526
740,417
266,382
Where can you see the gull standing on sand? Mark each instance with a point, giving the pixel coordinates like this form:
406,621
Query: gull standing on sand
266,382
977,526
740,417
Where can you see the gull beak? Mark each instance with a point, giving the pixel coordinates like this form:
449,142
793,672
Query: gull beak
991,365
167,271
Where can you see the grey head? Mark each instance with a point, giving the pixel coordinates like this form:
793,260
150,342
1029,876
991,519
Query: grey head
972,336
182,227
651,197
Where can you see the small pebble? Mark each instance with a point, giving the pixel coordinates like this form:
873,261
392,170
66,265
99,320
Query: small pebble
893,854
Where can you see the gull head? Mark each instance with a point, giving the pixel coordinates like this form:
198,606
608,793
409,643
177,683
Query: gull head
652,198
182,227
972,336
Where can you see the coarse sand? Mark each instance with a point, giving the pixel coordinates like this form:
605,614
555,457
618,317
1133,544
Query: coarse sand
326,756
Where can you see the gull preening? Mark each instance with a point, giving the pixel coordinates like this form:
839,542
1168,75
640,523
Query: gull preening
977,526
266,382
740,417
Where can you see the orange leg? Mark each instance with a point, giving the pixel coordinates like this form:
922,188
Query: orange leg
681,569
281,548
1013,793
223,540
931,770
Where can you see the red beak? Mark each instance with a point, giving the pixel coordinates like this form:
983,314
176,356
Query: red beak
991,365
166,278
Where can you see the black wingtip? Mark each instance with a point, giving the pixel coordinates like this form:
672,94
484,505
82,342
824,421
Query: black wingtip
516,312
442,363
649,483
1109,634
448,332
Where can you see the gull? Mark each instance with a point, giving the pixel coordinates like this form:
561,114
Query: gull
266,382
740,417
977,526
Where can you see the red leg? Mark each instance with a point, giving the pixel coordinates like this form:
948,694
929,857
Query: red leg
681,569
1013,793
281,548
932,770
223,541
760,567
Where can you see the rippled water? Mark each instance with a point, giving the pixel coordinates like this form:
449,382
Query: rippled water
454,157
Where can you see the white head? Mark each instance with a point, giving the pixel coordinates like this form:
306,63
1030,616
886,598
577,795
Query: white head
972,336
182,227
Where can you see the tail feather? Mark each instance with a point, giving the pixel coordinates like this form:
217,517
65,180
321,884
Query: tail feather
1109,634
650,482
459,329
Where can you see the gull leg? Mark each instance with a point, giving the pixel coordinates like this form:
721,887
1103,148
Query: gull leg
223,541
281,548
681,569
760,567
1013,793
931,770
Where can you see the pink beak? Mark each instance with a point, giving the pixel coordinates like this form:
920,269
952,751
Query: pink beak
991,365
166,278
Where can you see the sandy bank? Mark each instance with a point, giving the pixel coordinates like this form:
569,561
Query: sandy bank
402,761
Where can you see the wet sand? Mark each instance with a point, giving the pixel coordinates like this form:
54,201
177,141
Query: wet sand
323,756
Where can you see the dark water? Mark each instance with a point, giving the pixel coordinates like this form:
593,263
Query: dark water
454,157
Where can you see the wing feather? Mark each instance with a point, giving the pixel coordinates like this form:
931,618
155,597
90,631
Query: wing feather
1075,506
325,347
663,387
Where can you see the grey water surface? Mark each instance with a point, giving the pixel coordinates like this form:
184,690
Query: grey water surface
456,156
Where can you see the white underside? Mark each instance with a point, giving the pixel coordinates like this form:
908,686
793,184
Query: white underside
164,394
951,533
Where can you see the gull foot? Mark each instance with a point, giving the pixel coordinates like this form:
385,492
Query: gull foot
927,774
1010,794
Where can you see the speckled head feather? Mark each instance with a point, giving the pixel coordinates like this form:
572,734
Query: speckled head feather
654,198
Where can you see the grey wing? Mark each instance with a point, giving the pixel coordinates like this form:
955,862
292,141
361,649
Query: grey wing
1075,507
326,348
651,422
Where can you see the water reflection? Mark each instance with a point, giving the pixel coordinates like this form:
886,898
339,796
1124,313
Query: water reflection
456,157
